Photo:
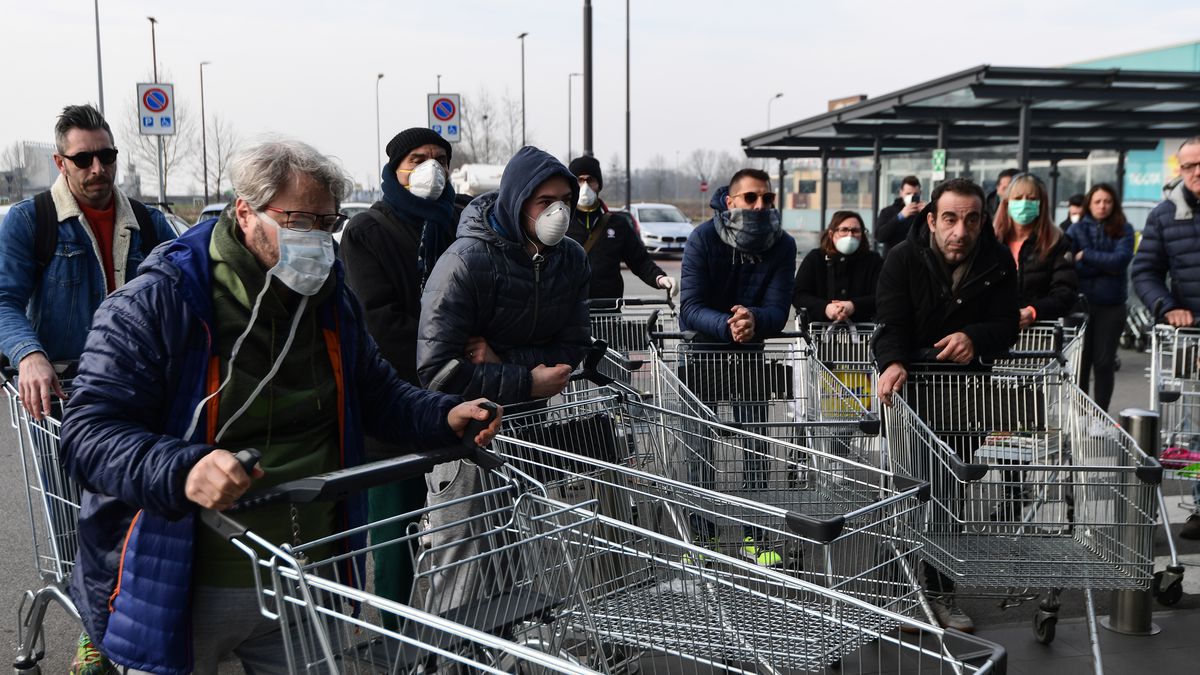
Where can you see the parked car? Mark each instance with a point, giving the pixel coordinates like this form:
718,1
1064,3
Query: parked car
351,209
210,211
178,225
662,227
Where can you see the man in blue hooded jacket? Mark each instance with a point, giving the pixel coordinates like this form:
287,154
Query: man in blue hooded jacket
738,274
239,334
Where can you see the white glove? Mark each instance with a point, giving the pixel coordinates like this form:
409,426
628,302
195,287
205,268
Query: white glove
669,285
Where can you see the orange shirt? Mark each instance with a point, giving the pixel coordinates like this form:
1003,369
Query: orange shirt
102,227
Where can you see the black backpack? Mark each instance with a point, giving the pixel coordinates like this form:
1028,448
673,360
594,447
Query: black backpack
45,237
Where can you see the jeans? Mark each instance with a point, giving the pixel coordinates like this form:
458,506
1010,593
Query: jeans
1105,324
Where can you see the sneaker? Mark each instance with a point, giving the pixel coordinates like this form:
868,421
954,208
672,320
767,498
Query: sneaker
950,615
1191,527
88,660
762,556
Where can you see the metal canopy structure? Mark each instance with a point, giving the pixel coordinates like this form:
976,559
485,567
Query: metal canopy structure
1047,113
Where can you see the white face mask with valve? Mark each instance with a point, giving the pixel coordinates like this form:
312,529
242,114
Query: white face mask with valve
551,226
428,180
846,245
587,196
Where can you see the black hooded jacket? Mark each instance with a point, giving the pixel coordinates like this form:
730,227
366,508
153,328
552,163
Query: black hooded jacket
1048,284
487,285
616,242
918,306
823,278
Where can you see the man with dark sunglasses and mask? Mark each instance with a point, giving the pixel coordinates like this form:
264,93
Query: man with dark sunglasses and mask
47,297
389,251
239,334
739,270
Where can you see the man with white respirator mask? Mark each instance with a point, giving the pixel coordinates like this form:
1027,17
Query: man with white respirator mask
507,302
389,251
240,334
609,238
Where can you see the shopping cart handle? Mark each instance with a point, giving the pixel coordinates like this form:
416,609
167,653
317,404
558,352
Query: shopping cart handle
336,485
905,483
475,426
1150,473
975,651
967,472
816,529
589,369
617,303
870,424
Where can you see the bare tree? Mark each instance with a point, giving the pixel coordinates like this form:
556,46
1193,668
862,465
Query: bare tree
478,129
616,178
222,142
658,175
12,163
511,125
702,163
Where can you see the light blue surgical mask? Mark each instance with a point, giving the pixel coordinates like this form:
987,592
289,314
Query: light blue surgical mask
1024,211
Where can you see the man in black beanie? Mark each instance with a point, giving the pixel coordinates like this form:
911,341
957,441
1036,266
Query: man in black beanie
609,238
388,252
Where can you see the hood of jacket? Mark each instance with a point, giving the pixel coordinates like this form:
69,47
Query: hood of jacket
527,169
718,199
1183,208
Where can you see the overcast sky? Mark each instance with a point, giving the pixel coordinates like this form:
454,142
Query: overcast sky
703,71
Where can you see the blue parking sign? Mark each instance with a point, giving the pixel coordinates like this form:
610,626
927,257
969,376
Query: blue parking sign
148,122
437,128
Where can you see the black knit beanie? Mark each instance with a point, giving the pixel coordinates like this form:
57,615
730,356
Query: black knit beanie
587,166
410,139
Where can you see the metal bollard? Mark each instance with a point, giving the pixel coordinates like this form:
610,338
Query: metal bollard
1130,612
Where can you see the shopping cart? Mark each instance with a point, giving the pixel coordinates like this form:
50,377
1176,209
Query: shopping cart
53,500
1033,486
1175,395
1058,345
770,388
846,350
821,518
625,326
493,606
680,574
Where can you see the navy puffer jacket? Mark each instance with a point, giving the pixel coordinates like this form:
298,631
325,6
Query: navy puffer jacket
1105,263
532,310
715,277
1170,249
147,363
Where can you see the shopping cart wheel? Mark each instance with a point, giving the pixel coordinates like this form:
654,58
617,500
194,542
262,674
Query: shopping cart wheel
1044,625
1172,593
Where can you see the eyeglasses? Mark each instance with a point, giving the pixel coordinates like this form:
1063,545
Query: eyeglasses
84,159
303,221
856,231
1189,167
751,198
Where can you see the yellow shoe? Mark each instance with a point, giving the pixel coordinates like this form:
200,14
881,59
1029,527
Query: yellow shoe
761,556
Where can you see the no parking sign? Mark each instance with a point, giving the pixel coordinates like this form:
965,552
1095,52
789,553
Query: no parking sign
444,113
156,109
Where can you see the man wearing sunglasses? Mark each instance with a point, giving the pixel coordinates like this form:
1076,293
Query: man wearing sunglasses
63,251
739,267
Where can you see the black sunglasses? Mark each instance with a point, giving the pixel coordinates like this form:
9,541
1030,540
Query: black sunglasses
84,159
751,198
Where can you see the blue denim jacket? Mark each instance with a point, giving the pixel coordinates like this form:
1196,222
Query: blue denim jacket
53,314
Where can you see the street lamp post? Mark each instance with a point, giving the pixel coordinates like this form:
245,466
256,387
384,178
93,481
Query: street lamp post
378,157
162,183
203,132
628,161
569,76
521,37
769,102
99,68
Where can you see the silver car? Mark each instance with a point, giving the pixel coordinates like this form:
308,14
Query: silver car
662,227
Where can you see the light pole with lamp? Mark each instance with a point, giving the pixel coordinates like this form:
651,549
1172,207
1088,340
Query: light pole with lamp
162,183
378,157
521,37
203,132
569,76
99,68
769,102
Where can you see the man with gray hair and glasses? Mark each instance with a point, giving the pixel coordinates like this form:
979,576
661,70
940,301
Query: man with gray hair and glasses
239,334
1170,250
63,250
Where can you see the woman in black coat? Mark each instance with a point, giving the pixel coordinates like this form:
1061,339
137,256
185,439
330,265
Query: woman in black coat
836,281
1045,266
